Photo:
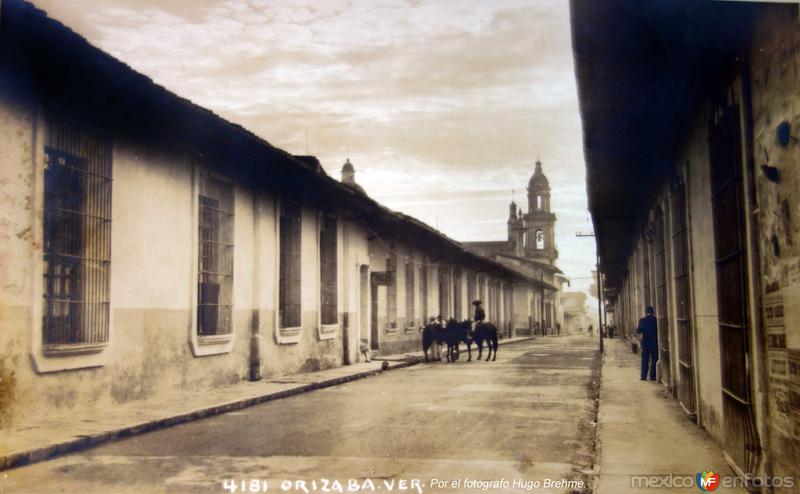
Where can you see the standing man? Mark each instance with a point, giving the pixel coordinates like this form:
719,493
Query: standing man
648,328
480,315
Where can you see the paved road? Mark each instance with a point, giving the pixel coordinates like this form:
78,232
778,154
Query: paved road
526,418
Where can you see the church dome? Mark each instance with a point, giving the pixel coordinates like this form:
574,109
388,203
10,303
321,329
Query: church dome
348,167
538,180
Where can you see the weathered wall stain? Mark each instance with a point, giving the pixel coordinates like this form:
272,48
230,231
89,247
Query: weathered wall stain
8,384
709,419
776,115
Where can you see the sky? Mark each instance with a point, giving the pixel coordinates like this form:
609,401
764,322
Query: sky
442,106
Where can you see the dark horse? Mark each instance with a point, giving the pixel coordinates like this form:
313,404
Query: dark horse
432,334
454,334
486,331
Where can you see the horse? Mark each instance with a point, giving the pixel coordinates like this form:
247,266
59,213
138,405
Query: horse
432,334
486,331
455,332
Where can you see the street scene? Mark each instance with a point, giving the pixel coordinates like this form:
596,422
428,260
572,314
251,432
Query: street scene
399,246
421,423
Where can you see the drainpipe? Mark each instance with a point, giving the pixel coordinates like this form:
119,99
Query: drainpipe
599,303
541,301
255,337
346,278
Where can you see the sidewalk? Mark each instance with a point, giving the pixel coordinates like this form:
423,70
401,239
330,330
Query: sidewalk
61,434
642,430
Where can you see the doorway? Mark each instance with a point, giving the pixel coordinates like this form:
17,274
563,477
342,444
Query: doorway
741,442
363,305
373,295
661,299
683,304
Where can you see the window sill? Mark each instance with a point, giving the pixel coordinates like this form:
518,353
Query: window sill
80,356
328,331
411,329
216,339
288,336
391,330
65,350
206,345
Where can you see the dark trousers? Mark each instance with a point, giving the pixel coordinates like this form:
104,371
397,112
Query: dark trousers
649,355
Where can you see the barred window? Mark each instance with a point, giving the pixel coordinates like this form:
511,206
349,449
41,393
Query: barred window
409,293
494,302
457,294
328,269
77,237
391,292
423,292
444,292
289,289
471,288
215,259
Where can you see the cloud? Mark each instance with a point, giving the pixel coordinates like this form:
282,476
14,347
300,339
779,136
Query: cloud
443,107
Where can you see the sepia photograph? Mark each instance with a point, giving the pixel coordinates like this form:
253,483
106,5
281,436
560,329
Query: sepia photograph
399,246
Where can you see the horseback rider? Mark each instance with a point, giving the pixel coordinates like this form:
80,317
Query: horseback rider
480,315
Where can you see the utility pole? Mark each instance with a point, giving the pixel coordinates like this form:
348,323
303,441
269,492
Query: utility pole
541,300
600,294
600,303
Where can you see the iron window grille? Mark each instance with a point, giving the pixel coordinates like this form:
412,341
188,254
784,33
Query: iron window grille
470,288
76,237
391,293
289,273
741,440
215,266
457,294
493,302
423,292
328,269
444,292
660,248
683,308
409,293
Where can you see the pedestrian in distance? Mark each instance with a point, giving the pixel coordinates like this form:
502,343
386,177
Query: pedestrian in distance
648,329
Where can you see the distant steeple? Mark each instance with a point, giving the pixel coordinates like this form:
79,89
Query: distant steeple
348,173
349,176
539,221
538,181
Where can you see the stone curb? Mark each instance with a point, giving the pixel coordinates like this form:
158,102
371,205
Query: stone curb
81,443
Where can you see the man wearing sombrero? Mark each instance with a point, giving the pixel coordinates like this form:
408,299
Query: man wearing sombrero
480,315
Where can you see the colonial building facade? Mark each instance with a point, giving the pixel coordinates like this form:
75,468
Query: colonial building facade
149,244
693,166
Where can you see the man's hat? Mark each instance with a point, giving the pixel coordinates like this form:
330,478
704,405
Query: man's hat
476,302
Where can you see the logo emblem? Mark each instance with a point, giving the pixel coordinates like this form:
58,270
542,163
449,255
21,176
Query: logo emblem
707,480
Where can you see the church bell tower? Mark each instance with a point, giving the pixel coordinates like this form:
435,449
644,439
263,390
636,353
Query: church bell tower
539,221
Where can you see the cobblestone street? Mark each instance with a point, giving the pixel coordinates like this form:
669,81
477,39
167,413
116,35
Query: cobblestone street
526,417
